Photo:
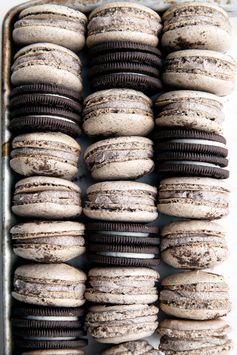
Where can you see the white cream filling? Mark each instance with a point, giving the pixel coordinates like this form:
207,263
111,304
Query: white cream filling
129,234
199,141
128,255
50,338
193,163
58,118
52,318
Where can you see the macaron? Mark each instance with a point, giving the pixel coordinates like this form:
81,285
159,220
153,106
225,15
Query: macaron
196,295
117,112
138,347
44,107
203,70
46,328
193,244
125,65
190,152
48,242
122,21
51,23
46,197
193,197
123,201
117,324
196,26
188,337
122,285
49,153
120,158
53,285
190,109
49,64
123,244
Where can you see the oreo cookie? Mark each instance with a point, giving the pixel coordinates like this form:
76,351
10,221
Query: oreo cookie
39,328
125,65
40,107
187,152
123,244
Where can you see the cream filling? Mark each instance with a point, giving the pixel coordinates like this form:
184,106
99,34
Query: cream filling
126,234
194,163
198,141
50,338
128,255
58,118
52,318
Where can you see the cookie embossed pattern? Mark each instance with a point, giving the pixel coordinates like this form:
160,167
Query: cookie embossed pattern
208,246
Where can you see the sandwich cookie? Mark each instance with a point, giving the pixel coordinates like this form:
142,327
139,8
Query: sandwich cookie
53,285
49,64
40,328
50,154
125,65
117,112
120,323
139,347
44,107
123,201
122,21
48,242
51,23
194,197
123,244
120,158
189,337
202,70
196,26
196,295
122,285
193,244
189,152
55,352
46,197
190,109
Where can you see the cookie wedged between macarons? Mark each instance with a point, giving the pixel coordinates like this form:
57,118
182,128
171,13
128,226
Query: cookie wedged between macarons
122,21
196,26
194,197
190,109
196,295
190,337
203,70
49,64
117,112
139,347
46,197
120,158
123,201
50,154
115,324
51,23
48,242
55,352
53,285
193,244
122,285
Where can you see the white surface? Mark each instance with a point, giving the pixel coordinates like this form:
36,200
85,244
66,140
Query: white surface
229,269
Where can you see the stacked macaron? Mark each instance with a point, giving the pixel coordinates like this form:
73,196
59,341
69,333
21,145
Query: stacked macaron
45,115
191,156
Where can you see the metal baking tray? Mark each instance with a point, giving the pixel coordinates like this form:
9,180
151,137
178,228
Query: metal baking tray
8,260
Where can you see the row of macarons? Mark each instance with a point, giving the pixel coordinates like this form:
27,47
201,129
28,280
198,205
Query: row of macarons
123,307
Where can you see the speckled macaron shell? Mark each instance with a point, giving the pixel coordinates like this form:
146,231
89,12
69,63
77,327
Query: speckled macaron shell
49,285
51,23
122,201
46,197
120,158
48,242
195,295
194,197
117,112
122,285
123,21
197,26
193,109
139,347
49,64
50,154
202,70
193,244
